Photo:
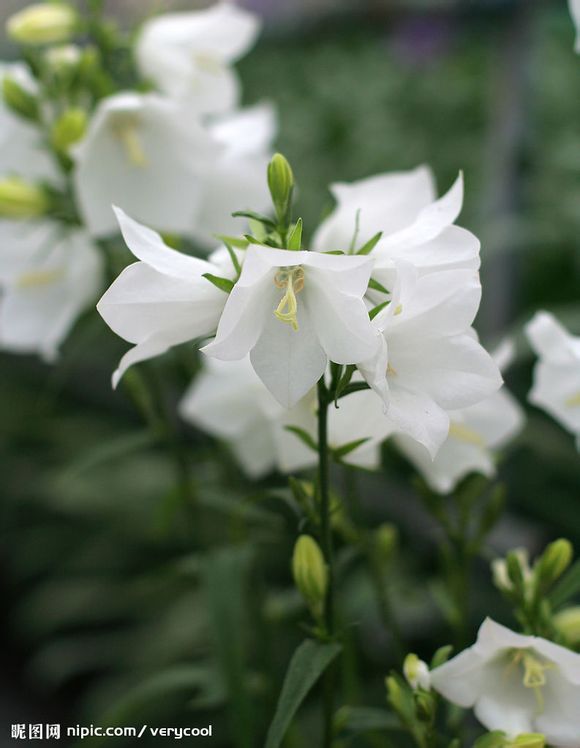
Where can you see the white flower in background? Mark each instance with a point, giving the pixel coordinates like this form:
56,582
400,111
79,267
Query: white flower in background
556,387
143,154
430,361
22,151
229,401
475,434
416,226
293,311
190,55
161,301
48,276
575,11
237,178
517,684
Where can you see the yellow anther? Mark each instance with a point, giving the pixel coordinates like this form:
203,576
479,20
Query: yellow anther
37,278
126,129
398,309
463,433
292,279
573,401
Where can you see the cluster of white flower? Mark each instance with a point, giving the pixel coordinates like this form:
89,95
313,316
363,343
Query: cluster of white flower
182,158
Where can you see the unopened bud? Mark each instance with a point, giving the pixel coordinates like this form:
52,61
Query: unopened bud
64,57
567,622
416,673
20,199
47,23
281,185
520,569
310,573
19,100
529,740
68,129
553,562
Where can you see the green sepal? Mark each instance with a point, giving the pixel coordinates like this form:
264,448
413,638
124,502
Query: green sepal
376,286
371,244
304,436
224,284
295,236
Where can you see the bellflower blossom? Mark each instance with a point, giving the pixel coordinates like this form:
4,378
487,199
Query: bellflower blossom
475,433
190,55
556,387
229,401
516,684
48,276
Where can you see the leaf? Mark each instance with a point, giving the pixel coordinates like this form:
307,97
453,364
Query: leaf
567,588
367,719
371,244
295,237
264,220
347,448
224,284
376,286
304,436
308,663
234,259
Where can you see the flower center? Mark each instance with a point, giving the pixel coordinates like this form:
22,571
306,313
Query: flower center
126,129
534,672
292,279
463,433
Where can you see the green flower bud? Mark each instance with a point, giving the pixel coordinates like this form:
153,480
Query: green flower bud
567,622
520,570
68,129
416,672
281,184
310,573
19,100
529,740
47,23
553,562
20,199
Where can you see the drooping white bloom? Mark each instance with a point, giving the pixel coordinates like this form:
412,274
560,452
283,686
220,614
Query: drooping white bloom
143,154
556,387
48,276
475,433
416,226
237,179
190,55
517,684
293,311
21,148
575,11
229,401
429,361
161,301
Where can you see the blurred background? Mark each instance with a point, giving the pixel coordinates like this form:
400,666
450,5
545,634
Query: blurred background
111,610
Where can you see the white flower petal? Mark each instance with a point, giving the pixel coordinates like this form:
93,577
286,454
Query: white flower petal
418,416
551,340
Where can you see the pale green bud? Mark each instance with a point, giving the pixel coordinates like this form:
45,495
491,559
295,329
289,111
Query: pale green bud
19,100
528,740
68,129
20,199
567,622
47,23
503,579
310,573
416,673
281,184
553,562
64,57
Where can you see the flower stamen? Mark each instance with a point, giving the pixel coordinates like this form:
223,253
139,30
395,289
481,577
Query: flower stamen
36,278
463,433
534,673
292,279
126,130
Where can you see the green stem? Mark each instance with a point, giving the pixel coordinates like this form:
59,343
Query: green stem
327,549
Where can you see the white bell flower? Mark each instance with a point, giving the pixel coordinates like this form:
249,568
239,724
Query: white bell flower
475,434
556,387
229,401
516,684
416,226
161,301
293,311
22,151
429,361
142,153
237,178
48,277
575,11
190,55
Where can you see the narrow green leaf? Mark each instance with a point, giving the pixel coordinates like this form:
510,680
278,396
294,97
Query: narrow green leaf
264,220
224,284
378,308
334,252
234,259
376,286
304,436
295,238
308,663
371,244
567,588
234,241
254,240
346,449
